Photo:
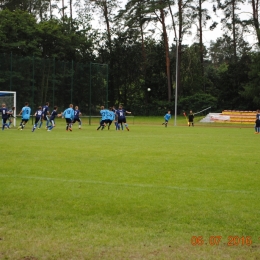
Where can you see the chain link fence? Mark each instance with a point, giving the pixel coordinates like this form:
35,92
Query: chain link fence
60,83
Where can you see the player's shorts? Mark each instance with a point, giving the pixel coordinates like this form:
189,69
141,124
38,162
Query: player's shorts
102,122
121,120
109,121
4,120
25,120
68,120
76,120
166,121
257,123
37,119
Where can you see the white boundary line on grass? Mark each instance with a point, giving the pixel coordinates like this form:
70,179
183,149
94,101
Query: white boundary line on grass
129,185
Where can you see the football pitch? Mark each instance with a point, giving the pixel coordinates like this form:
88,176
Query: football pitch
150,193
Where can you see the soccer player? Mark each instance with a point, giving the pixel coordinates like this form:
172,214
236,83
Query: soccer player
52,117
167,117
110,117
68,114
257,122
38,117
116,123
191,118
25,112
104,118
77,114
10,115
121,116
4,112
45,115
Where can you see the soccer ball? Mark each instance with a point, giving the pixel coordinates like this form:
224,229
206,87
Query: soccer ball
148,89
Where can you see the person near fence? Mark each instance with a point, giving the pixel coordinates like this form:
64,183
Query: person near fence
10,116
77,115
68,114
4,112
38,117
26,113
104,117
45,115
121,119
54,113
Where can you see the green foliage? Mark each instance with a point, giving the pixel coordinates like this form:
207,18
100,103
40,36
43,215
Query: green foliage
251,89
197,102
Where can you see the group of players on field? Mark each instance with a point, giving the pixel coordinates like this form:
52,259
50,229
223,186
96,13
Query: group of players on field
71,116
112,114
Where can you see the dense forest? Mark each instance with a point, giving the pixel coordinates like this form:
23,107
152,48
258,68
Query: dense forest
223,74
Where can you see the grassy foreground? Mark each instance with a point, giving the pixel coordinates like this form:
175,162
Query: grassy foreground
151,193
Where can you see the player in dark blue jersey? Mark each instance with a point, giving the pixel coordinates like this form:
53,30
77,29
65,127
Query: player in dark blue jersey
77,114
121,119
38,117
10,116
257,122
4,112
26,113
54,113
45,115
116,123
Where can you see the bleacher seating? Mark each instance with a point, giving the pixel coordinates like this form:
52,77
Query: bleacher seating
246,117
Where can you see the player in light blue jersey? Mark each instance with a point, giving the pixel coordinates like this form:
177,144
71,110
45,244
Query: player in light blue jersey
68,114
77,115
38,117
167,117
104,117
26,113
110,117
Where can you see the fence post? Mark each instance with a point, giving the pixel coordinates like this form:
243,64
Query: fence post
71,86
11,71
89,118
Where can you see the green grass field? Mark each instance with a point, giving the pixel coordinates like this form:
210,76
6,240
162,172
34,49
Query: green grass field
149,193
